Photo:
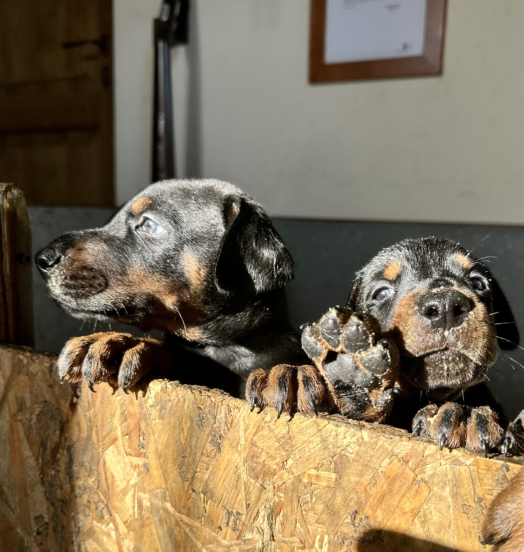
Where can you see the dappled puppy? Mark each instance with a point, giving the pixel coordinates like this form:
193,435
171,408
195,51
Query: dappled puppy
414,345
197,260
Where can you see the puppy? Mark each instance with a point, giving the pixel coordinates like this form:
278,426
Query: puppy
412,348
197,260
504,523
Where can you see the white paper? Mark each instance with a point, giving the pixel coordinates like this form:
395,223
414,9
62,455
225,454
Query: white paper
362,30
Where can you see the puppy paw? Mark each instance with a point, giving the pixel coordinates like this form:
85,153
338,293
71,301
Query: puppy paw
513,443
445,425
288,389
483,431
360,366
118,358
453,426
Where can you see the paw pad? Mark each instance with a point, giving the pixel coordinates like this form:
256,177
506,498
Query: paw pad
359,366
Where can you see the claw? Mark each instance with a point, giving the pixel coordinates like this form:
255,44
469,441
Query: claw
313,406
91,384
280,409
484,445
505,445
253,403
417,428
442,441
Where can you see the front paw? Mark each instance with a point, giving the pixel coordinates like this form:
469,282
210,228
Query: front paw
514,438
118,358
360,366
288,389
451,425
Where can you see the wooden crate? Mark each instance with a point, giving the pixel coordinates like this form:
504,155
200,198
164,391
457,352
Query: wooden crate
184,468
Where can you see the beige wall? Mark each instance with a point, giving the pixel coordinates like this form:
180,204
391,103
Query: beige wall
447,148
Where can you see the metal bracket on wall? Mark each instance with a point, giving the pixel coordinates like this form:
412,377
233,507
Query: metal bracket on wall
170,29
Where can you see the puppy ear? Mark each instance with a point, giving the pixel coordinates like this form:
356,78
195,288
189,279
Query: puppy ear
505,325
253,257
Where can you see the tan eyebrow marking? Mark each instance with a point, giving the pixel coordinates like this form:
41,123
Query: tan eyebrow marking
464,261
140,205
392,270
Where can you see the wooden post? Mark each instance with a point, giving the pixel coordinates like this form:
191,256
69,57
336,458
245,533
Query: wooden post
181,468
16,293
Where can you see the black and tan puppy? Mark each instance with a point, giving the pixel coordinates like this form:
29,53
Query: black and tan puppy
198,260
412,348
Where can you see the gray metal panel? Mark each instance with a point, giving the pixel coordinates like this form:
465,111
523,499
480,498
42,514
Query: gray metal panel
52,325
327,255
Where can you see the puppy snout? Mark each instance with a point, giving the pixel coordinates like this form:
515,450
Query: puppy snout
47,259
445,309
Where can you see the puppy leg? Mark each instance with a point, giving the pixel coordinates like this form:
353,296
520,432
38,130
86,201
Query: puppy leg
288,389
504,522
360,368
118,358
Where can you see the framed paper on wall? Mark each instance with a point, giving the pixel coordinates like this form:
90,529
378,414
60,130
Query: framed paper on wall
375,39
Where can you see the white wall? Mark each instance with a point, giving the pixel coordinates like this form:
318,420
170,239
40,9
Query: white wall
447,148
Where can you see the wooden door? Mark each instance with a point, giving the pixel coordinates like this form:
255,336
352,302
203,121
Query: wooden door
56,112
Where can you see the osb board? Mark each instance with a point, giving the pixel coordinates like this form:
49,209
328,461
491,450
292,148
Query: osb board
34,482
183,468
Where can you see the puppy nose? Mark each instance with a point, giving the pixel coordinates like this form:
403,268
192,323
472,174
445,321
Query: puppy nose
47,259
445,309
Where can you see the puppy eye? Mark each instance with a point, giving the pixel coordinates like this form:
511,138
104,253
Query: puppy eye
477,284
382,294
149,226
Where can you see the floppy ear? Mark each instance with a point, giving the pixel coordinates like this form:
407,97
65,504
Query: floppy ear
253,257
507,331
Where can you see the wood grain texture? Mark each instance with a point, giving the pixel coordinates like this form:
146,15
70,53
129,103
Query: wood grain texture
56,101
16,278
190,469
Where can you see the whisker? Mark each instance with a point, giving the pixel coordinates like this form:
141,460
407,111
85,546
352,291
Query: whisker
509,341
181,318
516,361
483,239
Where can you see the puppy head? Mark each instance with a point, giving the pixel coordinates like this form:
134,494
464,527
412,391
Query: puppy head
175,257
442,307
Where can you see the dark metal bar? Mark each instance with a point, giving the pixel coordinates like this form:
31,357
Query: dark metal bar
170,29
